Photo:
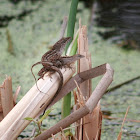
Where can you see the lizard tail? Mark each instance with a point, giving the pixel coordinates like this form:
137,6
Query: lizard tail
61,81
34,75
59,88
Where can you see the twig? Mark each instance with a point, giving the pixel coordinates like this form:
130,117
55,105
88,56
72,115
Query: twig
114,118
16,94
119,85
74,126
62,133
80,96
120,134
33,132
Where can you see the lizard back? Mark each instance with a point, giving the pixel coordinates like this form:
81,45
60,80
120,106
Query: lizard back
56,50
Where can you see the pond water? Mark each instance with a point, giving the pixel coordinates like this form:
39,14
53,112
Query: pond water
32,31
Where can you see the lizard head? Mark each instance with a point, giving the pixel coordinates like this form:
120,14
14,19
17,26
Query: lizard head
60,45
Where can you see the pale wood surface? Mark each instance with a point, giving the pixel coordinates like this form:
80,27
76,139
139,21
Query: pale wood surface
0,103
30,105
84,63
92,120
7,96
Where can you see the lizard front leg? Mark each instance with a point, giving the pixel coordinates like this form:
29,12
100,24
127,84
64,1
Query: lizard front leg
46,68
41,73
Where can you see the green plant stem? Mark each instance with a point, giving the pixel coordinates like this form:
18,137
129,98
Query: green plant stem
71,20
66,106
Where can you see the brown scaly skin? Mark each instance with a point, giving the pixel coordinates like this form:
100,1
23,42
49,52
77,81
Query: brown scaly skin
52,55
66,61
56,51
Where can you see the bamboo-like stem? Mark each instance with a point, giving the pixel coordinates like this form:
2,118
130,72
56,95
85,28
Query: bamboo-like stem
66,106
72,20
30,105
88,108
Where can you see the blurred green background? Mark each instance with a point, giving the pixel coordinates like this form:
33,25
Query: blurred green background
28,28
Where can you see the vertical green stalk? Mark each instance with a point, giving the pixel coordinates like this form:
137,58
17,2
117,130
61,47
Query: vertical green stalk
66,106
71,20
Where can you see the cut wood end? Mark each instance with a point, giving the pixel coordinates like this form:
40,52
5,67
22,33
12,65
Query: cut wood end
16,94
7,79
109,70
108,67
2,85
84,30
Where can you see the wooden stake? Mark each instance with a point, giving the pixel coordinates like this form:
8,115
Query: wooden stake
7,96
93,119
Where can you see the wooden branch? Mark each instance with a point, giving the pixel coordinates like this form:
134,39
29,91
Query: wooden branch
121,84
84,63
100,88
88,108
7,96
30,105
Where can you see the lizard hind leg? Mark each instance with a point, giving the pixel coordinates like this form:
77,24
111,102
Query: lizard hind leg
53,68
41,73
49,74
70,66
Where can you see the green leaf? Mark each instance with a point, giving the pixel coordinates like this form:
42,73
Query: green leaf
29,119
45,115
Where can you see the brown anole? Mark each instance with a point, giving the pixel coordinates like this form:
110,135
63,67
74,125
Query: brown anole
49,57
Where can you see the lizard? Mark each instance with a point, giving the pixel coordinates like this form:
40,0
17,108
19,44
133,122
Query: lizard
52,55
